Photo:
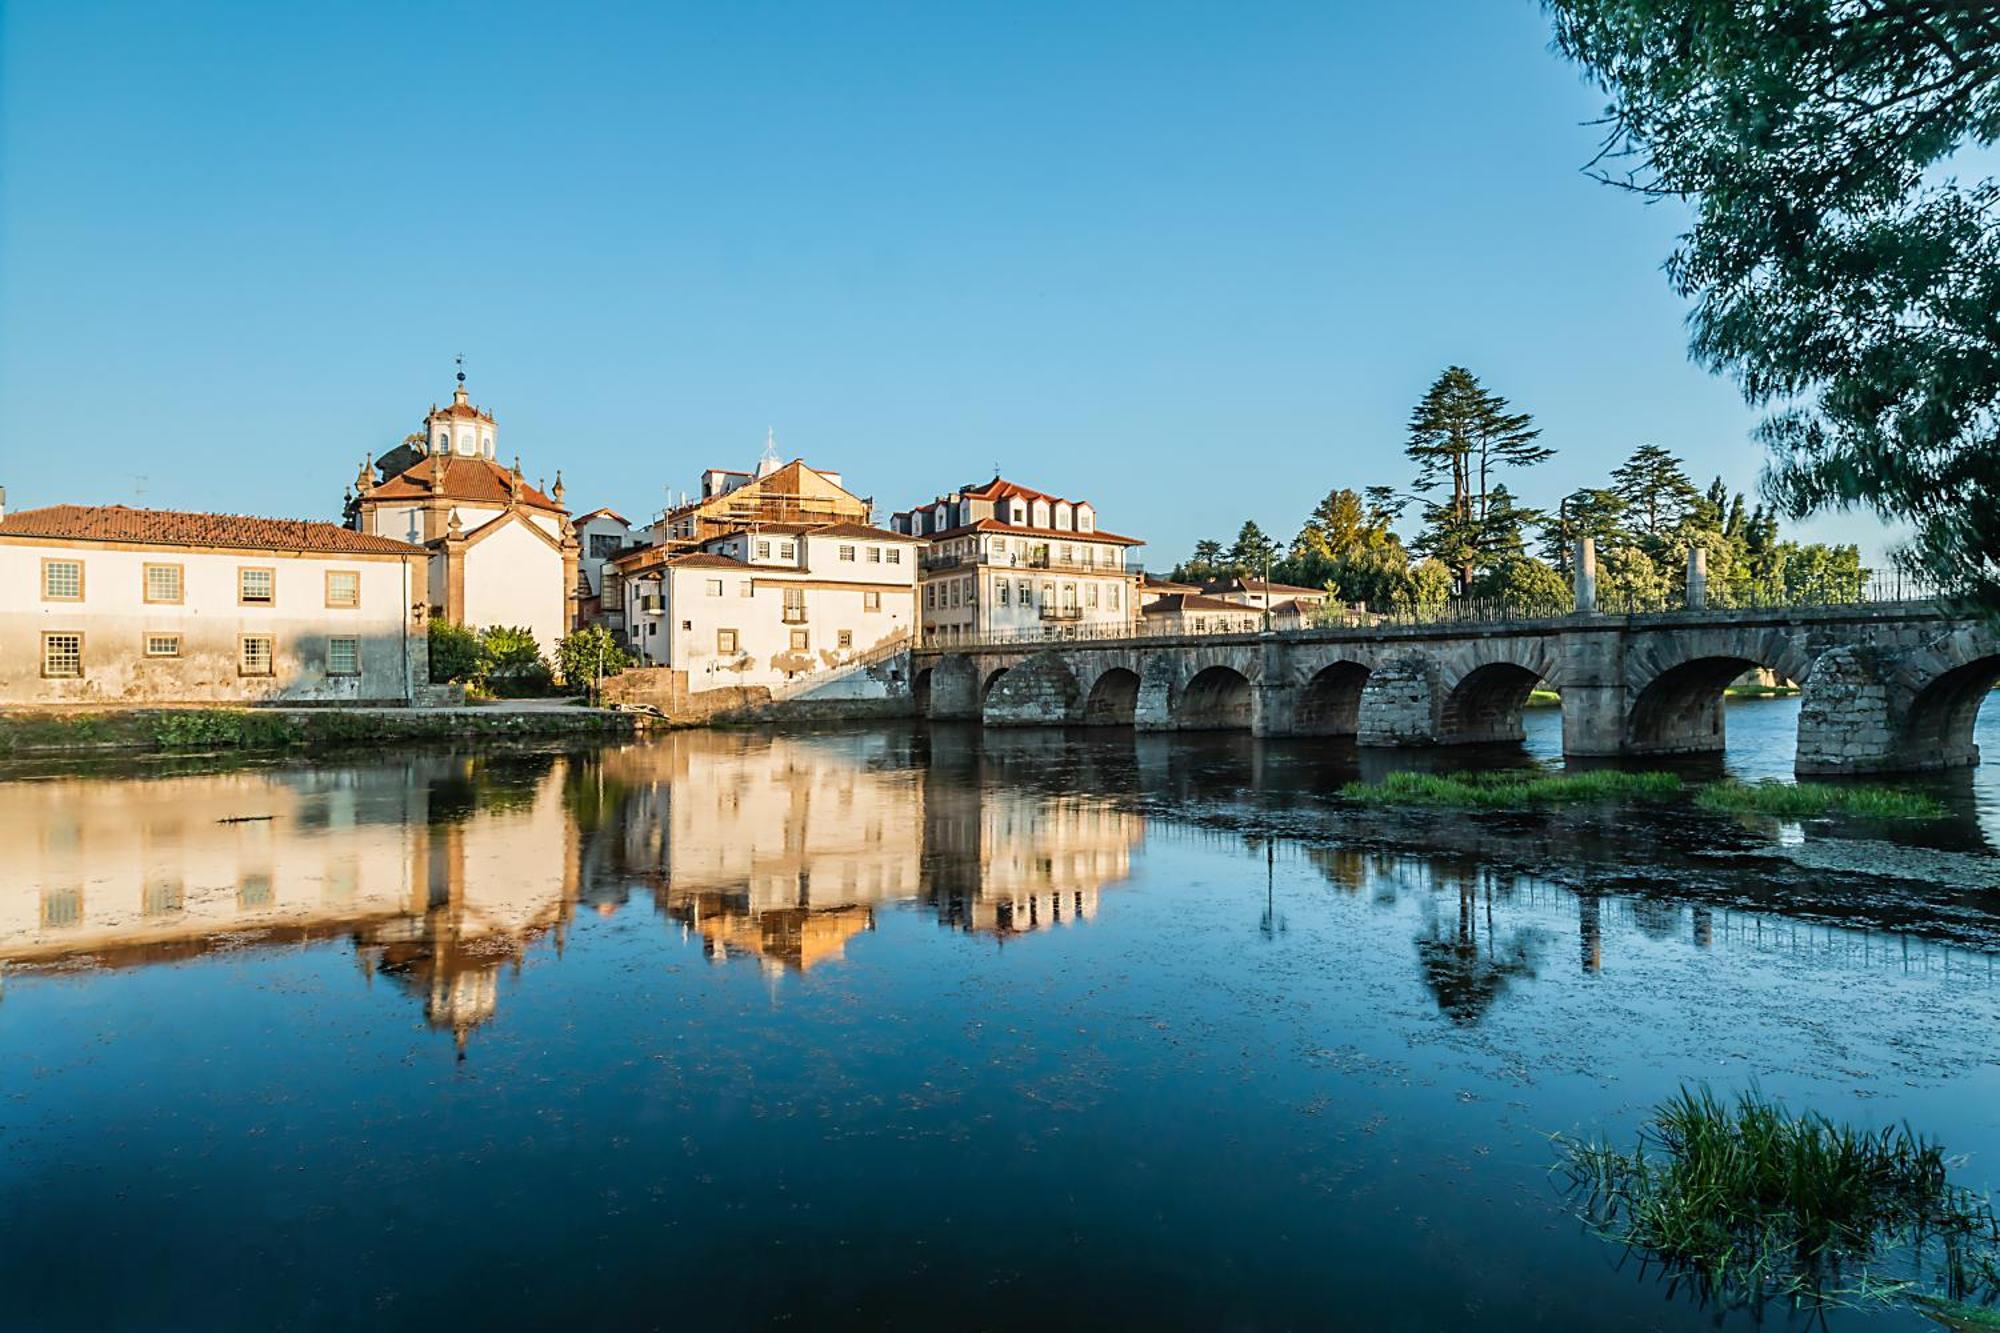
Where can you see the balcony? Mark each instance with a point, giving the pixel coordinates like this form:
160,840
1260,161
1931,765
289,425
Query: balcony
1062,613
794,615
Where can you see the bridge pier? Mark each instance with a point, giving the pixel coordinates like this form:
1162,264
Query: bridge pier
1845,721
1593,690
1401,704
954,689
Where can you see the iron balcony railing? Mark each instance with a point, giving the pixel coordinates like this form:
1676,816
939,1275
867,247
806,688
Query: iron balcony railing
1062,613
1037,563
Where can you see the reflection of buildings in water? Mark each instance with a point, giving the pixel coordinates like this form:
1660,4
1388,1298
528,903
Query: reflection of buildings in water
1003,860
782,847
772,847
440,873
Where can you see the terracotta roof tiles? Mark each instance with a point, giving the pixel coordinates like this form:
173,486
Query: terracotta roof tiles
169,527
477,479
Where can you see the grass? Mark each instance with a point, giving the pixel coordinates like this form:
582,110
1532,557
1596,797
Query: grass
1808,800
1751,1202
1522,789
1512,790
203,730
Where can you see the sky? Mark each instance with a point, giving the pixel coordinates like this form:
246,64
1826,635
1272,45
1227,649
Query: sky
1192,262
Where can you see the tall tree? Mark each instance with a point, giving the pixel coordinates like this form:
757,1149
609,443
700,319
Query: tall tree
1844,257
1460,434
1251,551
1657,493
1592,512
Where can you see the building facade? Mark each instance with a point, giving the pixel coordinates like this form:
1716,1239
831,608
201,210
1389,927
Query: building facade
103,604
501,551
1005,561
770,604
600,534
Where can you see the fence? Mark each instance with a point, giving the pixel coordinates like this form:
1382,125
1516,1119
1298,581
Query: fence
1884,589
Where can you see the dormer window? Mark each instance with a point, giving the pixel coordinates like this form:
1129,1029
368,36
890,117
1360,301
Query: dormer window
1017,512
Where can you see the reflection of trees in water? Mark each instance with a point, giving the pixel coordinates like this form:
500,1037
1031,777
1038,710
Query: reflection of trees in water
496,782
1466,967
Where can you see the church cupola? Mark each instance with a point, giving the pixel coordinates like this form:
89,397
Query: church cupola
460,429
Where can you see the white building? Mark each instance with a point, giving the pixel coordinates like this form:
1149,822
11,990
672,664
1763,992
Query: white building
105,604
501,550
600,534
1005,561
771,603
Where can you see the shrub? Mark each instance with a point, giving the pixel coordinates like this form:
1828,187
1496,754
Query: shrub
514,664
588,654
455,653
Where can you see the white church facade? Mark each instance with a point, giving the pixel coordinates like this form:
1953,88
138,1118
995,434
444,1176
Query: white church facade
501,551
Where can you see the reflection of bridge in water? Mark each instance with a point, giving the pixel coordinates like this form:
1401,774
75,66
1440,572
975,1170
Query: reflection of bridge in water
1885,687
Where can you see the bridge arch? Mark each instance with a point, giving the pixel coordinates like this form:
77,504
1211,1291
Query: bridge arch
1113,700
1484,685
986,687
1215,698
1329,702
1041,691
1674,705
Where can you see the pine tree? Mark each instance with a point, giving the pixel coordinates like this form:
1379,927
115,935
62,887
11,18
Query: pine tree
1657,493
1251,552
1591,512
1460,434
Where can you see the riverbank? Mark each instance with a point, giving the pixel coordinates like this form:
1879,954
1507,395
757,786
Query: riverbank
35,734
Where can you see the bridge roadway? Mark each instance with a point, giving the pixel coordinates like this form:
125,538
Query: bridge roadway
1886,687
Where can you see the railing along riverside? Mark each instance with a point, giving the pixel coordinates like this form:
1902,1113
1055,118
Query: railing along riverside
1885,589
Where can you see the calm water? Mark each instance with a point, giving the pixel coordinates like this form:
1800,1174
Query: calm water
919,1029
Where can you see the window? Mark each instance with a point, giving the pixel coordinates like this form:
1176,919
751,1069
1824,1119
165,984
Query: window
62,907
1005,588
257,587
763,550
951,592
1048,595
845,639
163,584
343,588
1090,596
603,545
795,606
847,554
748,587
971,591
687,624
343,657
787,551
871,600
800,641
1027,593
895,555
163,645
164,897
930,595
62,580
62,655
715,587
725,642
1113,592
253,891
874,555
254,655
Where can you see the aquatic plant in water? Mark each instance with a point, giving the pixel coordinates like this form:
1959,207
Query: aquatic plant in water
1807,800
1510,790
1750,1202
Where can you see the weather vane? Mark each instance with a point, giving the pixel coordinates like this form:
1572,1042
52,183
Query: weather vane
460,360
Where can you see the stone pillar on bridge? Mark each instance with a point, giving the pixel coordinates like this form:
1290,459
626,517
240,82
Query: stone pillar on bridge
1585,566
1154,708
1697,578
1402,703
1274,698
954,689
1845,720
1592,682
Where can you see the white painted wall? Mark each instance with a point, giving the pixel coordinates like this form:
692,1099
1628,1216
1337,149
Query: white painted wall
514,578
114,618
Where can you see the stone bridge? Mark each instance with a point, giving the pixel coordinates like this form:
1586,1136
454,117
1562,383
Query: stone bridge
1885,687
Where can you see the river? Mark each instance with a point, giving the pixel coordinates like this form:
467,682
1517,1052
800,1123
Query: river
922,1028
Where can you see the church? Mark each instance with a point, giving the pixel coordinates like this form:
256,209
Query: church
501,550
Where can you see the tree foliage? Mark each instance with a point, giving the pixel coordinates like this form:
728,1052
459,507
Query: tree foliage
1460,435
1840,267
589,654
455,653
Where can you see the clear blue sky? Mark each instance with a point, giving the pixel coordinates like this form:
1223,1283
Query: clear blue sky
1192,262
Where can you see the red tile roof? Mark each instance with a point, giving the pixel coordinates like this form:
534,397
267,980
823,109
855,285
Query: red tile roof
478,479
168,527
706,560
1193,601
